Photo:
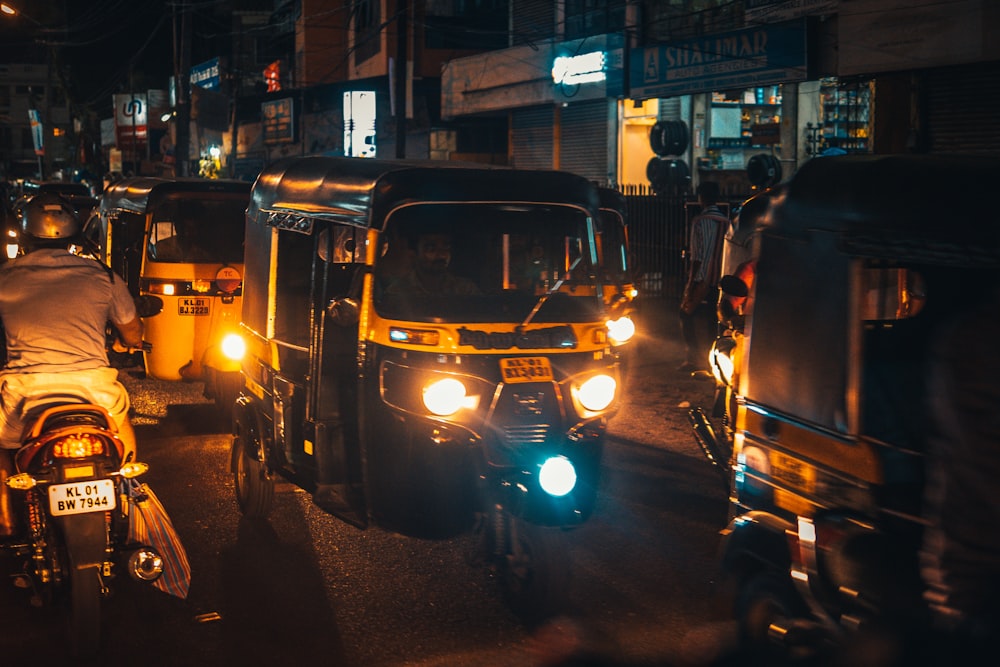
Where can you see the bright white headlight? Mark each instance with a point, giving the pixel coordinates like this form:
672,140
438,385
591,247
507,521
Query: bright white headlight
597,392
233,347
621,330
444,397
557,476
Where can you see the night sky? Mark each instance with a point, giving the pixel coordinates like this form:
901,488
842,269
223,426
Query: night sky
105,47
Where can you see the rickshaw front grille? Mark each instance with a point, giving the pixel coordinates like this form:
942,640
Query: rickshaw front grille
533,434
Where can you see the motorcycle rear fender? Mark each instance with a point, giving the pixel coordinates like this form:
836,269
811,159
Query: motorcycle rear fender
86,538
756,540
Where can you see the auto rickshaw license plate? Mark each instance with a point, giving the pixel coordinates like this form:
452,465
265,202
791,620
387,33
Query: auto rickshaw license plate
80,497
794,472
193,306
526,369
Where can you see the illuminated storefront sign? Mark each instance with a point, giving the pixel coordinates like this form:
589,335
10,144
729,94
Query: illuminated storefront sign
584,68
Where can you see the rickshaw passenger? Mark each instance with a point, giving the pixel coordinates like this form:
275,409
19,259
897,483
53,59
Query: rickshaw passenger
430,273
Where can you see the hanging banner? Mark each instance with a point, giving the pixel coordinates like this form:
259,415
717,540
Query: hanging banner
131,122
37,131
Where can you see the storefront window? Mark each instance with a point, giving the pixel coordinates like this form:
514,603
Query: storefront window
742,122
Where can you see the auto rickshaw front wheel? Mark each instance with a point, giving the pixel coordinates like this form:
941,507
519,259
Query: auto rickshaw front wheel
254,486
767,607
534,573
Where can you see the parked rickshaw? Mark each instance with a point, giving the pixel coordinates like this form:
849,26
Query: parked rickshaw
478,403
181,241
861,264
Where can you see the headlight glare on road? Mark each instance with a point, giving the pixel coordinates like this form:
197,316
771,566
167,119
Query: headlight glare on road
597,393
557,476
233,347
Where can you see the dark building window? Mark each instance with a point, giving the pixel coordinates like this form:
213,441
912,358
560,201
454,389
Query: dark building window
468,24
594,17
367,29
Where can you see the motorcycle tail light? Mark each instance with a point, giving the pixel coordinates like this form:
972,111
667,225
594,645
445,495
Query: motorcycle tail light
78,446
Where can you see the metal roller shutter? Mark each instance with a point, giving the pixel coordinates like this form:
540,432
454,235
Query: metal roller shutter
583,148
531,137
963,108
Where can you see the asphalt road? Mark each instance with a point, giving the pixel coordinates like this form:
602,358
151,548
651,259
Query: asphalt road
305,588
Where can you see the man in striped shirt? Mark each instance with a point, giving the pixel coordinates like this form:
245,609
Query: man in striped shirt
701,292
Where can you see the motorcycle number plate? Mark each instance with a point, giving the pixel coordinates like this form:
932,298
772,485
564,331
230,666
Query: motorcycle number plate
526,369
96,495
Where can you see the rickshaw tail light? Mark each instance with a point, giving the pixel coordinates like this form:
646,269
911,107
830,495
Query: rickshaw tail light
414,336
557,476
621,330
166,289
234,347
597,392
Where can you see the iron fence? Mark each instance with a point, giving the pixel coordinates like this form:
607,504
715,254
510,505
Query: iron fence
657,239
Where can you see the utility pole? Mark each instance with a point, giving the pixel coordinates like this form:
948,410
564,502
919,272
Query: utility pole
182,68
401,48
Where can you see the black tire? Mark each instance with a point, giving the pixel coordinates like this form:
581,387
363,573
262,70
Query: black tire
669,137
253,485
85,611
766,598
535,573
763,170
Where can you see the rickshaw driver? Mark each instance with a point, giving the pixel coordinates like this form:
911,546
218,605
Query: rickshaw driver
430,273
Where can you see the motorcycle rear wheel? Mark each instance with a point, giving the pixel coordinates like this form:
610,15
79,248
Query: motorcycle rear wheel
85,611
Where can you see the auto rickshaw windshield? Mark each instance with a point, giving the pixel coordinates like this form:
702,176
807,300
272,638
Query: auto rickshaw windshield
486,262
198,228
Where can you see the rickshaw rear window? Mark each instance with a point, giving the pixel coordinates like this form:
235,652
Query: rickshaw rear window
891,293
194,228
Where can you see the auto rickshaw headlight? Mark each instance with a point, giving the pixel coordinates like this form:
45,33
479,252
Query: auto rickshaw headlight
557,476
597,392
233,347
720,360
447,396
621,330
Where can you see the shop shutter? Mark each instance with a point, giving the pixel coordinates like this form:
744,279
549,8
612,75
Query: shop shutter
961,108
584,134
531,137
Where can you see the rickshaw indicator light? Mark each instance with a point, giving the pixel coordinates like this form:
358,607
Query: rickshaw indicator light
414,336
621,330
557,476
233,347
597,392
201,286
445,397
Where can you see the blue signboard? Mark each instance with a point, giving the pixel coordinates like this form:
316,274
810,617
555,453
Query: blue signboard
767,54
206,75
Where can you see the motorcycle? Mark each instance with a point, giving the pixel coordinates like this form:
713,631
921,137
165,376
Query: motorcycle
78,515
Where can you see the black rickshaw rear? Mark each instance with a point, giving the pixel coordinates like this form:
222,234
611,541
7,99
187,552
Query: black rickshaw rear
482,403
861,265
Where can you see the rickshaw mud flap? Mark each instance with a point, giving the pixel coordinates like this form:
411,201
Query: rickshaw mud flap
711,447
247,414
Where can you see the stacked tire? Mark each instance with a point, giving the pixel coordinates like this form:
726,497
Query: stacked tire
763,170
666,171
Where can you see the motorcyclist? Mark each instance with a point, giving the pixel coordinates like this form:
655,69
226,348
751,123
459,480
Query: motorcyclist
54,307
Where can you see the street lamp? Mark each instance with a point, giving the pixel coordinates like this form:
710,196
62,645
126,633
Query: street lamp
11,10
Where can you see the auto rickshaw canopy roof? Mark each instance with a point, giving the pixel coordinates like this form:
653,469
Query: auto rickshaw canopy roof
359,192
136,194
932,208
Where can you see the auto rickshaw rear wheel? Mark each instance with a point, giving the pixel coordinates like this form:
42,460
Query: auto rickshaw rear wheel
766,601
254,487
535,574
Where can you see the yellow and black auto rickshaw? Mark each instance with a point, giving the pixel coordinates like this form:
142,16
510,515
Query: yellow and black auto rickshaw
428,351
862,265
181,241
